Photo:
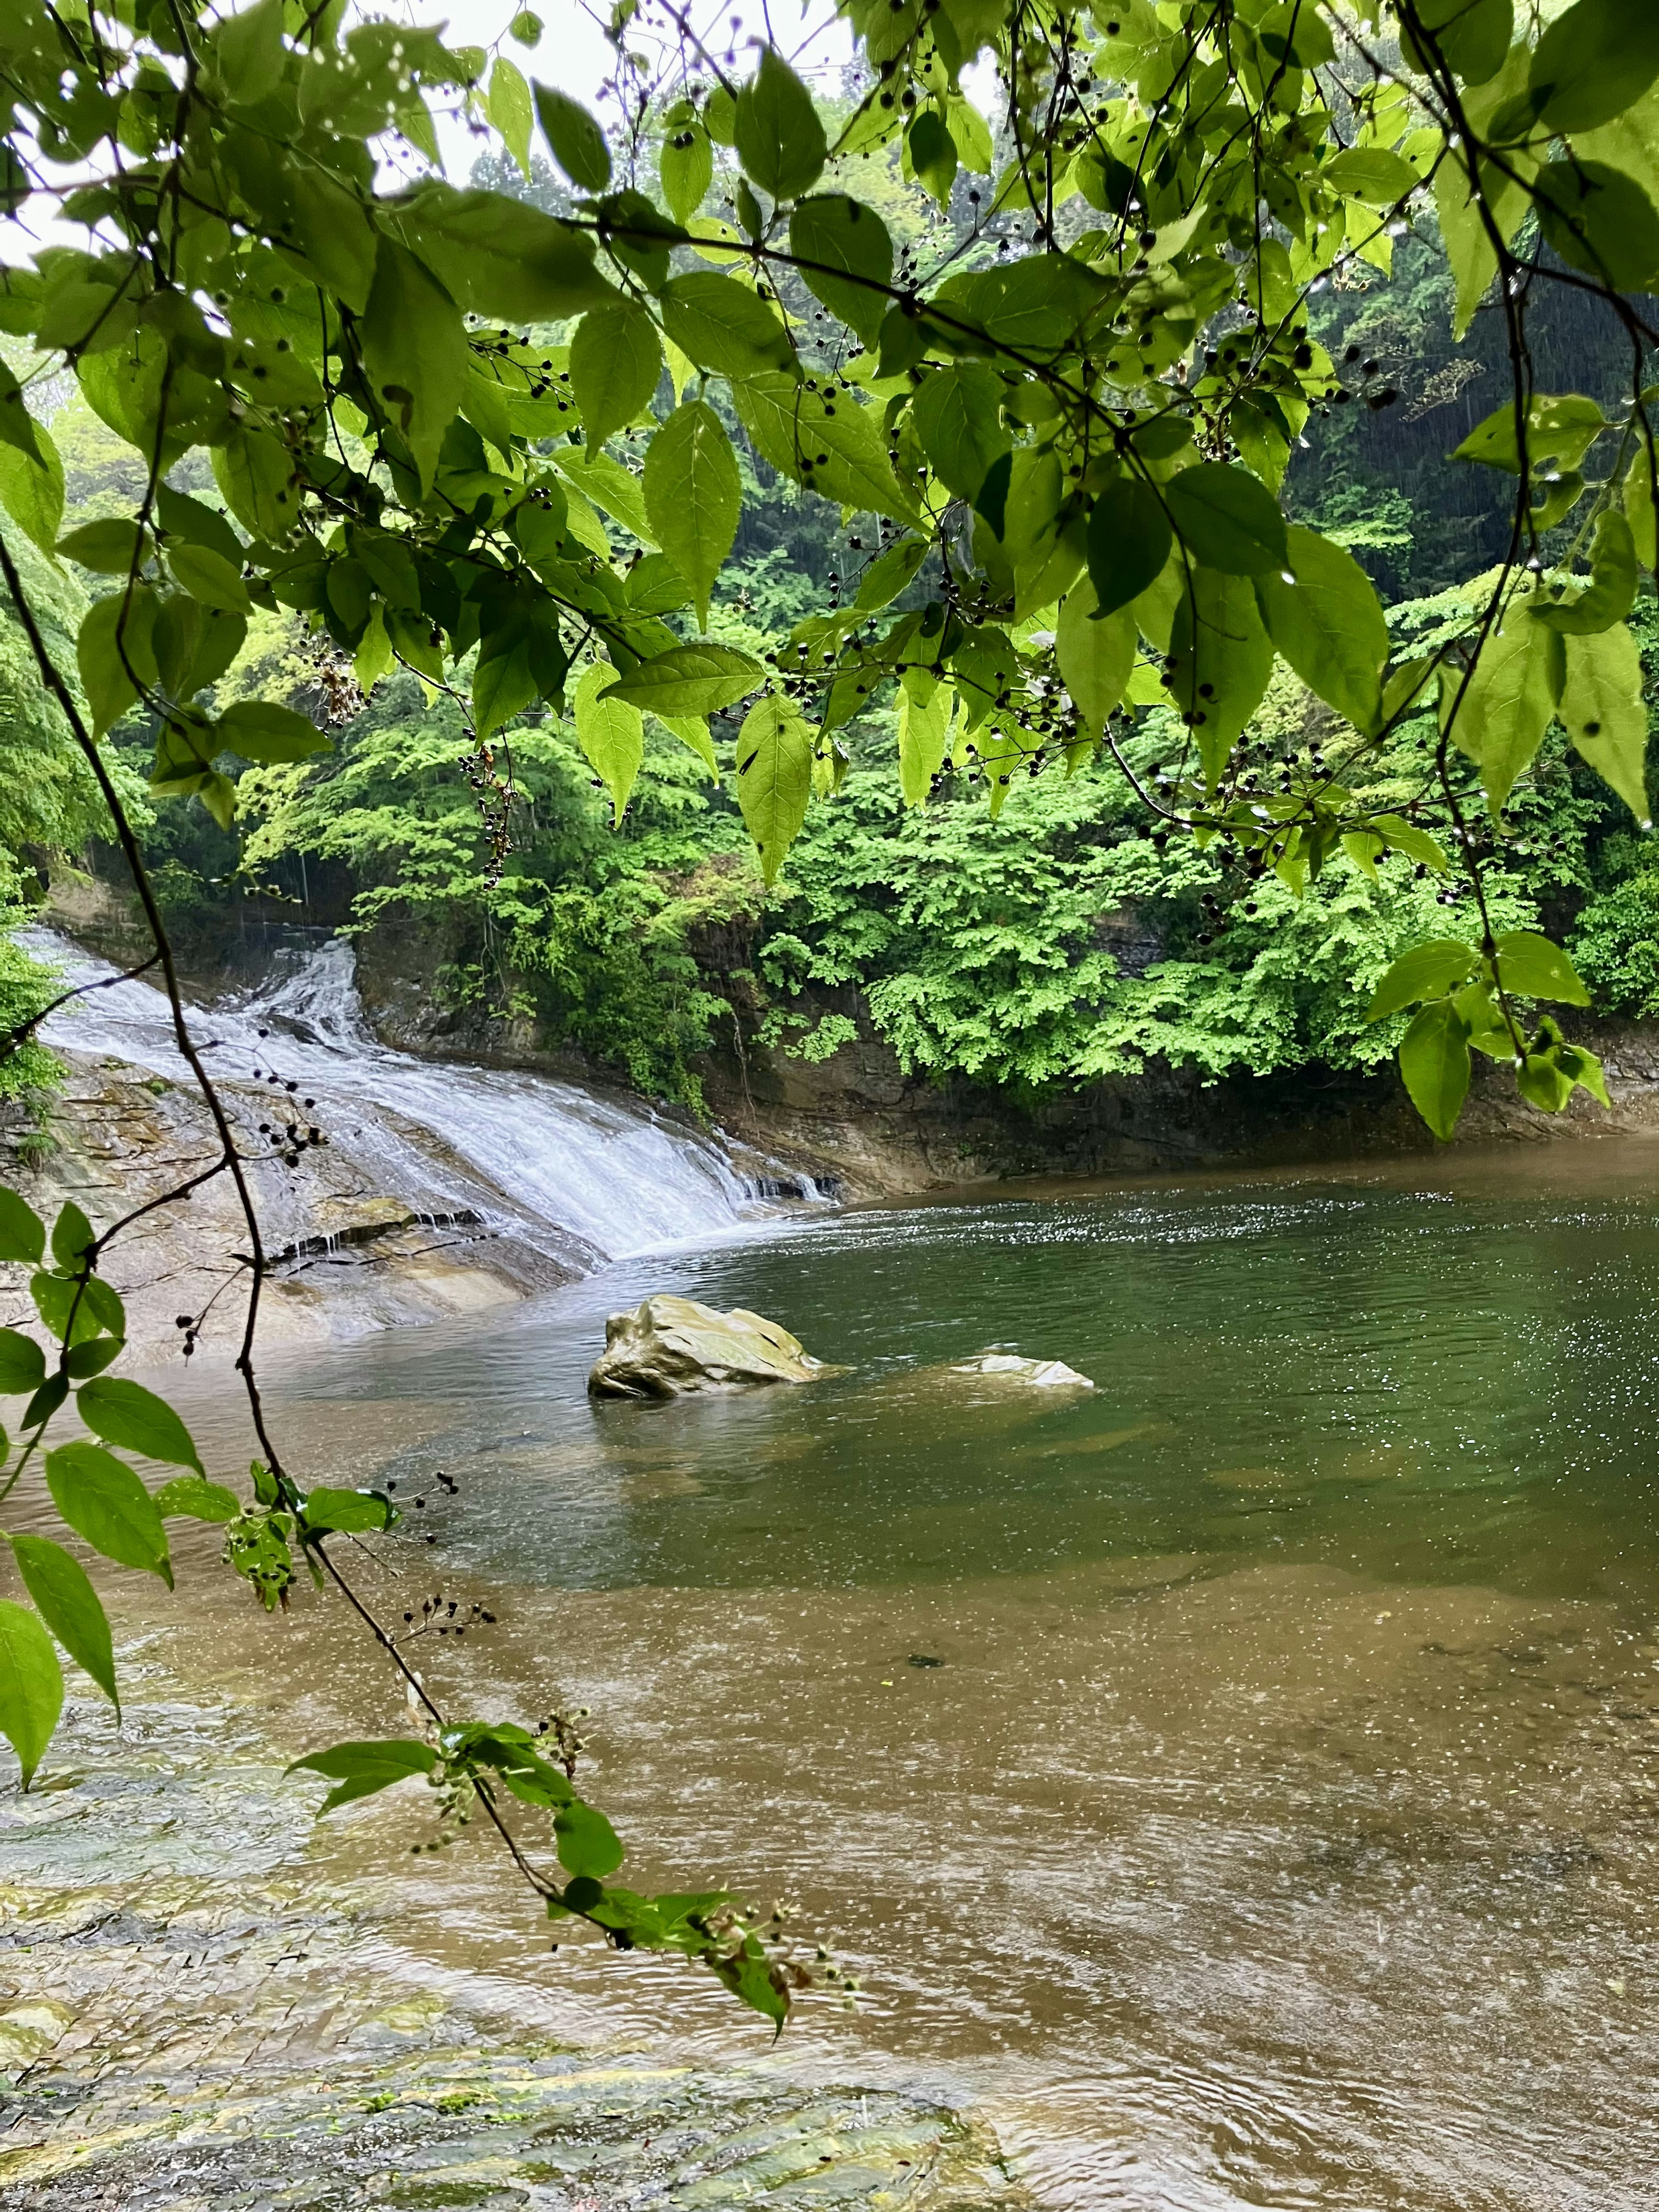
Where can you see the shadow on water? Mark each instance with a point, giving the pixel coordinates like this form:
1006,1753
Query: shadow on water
1239,1781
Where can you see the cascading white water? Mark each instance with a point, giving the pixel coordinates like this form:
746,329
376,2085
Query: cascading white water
588,1178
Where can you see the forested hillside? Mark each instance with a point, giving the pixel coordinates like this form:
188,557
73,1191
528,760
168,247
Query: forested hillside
1070,938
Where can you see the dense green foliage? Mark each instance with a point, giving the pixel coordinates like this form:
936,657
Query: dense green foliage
424,527
1061,942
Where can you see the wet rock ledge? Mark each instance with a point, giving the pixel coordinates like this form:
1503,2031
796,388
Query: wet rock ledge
348,1254
195,2013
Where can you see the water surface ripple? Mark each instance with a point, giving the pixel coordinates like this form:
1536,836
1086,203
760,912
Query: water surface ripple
1239,1781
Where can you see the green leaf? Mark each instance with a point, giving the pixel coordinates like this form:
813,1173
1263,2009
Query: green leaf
335,232
123,1413
958,416
931,152
1129,541
1372,174
248,49
888,574
32,491
22,1232
415,352
1220,661
361,1769
1427,971
509,109
92,1303
1583,1068
1639,509
193,1497
354,1512
685,166
1559,430
1612,590
1474,35
1094,657
828,442
694,496
845,258
1329,624
1400,836
81,1360
924,724
1434,1065
503,678
31,1686
1530,967
693,733
72,1237
1605,717
610,734
103,1500
503,256
779,139
69,1605
16,424
1592,61
22,1363
1542,1083
616,360
261,731
1599,220
690,679
1509,701
608,484
719,323
588,1843
113,547
208,577
1228,519
576,140
751,1977
255,472
774,778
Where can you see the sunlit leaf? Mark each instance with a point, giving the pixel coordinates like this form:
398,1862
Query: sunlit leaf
69,1605
103,1500
31,1686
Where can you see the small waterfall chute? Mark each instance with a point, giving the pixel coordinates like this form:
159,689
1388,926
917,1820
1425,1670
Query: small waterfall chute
591,1176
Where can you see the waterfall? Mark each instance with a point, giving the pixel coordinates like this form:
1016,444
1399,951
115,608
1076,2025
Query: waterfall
583,1177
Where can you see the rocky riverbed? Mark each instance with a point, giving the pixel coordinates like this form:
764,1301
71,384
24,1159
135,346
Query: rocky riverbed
199,2007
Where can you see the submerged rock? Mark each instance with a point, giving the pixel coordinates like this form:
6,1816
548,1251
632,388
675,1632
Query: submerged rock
1041,1374
671,1346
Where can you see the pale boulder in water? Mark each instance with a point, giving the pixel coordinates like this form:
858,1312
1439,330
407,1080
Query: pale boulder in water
670,1347
1039,1374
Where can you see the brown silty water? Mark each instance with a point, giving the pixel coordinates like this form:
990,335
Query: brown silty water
1236,1785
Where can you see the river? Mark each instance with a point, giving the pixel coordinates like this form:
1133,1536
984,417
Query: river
1235,1786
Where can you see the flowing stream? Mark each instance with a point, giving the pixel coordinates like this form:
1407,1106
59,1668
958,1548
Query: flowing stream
585,1177
1237,1785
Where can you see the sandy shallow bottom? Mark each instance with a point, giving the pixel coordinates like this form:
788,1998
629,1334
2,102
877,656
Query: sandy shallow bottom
1190,1891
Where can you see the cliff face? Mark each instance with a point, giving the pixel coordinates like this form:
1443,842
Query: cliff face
857,1115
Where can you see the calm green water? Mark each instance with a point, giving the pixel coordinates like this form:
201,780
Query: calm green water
1239,1783
1436,1384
